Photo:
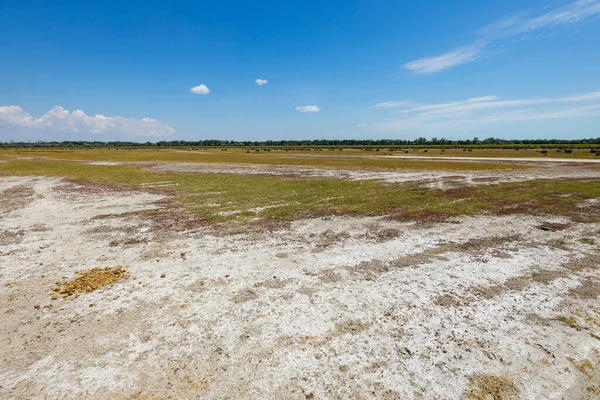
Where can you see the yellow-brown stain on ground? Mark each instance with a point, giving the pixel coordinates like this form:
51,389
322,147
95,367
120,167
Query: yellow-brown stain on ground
90,280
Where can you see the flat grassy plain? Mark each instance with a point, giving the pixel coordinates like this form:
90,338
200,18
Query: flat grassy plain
346,160
219,197
288,154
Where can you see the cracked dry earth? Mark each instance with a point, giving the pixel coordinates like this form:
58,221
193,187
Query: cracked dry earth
336,308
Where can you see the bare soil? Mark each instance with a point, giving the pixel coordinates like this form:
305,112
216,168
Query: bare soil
327,308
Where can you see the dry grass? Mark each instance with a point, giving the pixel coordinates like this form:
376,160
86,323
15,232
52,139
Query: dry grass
590,261
518,283
11,236
15,198
487,292
245,295
584,366
330,238
352,327
89,281
491,387
446,300
382,235
570,322
478,246
329,276
588,289
373,266
545,276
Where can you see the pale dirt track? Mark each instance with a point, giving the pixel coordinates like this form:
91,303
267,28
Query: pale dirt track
334,308
506,159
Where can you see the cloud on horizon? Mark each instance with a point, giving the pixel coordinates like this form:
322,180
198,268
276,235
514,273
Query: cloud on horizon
483,110
515,25
60,120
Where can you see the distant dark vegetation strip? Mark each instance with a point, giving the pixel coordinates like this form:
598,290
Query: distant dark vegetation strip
493,143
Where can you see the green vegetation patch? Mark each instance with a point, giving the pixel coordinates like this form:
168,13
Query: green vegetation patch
234,197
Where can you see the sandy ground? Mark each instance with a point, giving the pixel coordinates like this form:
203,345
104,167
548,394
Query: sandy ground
509,159
332,308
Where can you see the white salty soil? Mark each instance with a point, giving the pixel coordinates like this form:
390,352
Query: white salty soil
433,179
332,308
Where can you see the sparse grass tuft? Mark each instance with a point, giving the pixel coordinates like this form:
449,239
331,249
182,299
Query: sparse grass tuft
558,244
330,238
518,282
352,327
584,366
546,276
570,322
591,261
488,292
446,300
588,289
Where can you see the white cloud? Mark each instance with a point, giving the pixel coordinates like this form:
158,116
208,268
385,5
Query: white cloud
60,120
200,89
452,109
450,59
261,82
308,108
392,104
490,109
362,125
511,26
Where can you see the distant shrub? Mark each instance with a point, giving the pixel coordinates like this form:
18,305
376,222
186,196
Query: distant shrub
544,152
568,151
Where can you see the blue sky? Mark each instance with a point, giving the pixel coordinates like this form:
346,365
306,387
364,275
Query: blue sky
156,70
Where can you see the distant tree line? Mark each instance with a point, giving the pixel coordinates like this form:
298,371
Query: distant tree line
309,143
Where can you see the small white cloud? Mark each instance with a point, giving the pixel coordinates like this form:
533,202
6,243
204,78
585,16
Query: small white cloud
200,89
362,125
261,82
308,108
60,120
